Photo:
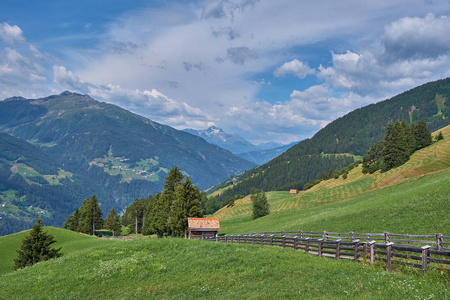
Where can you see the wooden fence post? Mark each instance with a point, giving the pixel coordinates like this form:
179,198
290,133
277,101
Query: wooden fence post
262,239
284,241
387,237
425,252
439,241
356,250
295,242
388,255
319,252
338,249
372,251
325,236
306,245
352,237
301,234
271,240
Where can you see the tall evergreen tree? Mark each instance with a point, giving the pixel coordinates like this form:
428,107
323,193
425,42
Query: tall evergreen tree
396,149
422,134
112,223
91,217
36,247
261,207
73,221
185,205
173,178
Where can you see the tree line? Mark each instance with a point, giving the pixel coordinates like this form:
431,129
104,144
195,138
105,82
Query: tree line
164,214
400,141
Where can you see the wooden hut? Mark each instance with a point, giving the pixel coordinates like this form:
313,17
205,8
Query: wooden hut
293,192
201,228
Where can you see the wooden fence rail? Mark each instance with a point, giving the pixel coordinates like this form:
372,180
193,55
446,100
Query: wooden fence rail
423,251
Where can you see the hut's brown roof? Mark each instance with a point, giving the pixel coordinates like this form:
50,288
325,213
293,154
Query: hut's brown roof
204,224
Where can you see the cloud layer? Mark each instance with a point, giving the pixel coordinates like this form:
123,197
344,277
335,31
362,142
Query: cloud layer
267,70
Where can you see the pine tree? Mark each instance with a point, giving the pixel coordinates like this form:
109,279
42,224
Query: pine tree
91,216
396,149
439,137
409,136
112,223
73,221
173,178
36,247
422,134
185,205
260,205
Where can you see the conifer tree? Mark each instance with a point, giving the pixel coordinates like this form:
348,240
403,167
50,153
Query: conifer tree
73,221
396,150
439,137
36,247
112,223
422,134
185,205
163,204
91,217
260,205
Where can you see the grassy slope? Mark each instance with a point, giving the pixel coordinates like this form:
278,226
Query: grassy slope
413,198
191,269
69,241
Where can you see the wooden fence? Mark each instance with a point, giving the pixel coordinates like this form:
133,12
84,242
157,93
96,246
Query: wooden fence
423,251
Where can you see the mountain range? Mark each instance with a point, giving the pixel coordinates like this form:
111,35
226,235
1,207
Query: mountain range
258,154
73,143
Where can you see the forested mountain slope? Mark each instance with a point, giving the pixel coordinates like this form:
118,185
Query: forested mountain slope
107,151
352,134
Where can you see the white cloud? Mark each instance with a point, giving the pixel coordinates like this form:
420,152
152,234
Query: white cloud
11,34
20,75
295,67
412,51
309,110
416,37
150,103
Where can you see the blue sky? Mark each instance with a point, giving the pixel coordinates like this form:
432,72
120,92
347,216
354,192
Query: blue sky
266,70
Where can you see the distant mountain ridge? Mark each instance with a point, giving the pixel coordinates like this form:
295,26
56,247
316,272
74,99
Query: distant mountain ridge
257,154
231,142
109,151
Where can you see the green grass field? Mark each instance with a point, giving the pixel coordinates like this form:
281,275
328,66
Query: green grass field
69,241
190,269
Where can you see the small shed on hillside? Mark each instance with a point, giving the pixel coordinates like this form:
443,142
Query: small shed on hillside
293,192
201,228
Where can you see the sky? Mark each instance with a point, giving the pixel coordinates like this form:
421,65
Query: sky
265,70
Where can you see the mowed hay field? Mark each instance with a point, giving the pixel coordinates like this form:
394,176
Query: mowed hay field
414,198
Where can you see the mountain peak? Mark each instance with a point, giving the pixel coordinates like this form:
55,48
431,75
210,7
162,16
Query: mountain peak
14,98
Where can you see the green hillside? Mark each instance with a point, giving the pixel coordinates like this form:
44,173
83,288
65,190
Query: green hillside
57,151
69,241
194,269
412,198
351,134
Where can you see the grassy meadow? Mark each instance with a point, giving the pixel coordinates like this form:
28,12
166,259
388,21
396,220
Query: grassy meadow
191,269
